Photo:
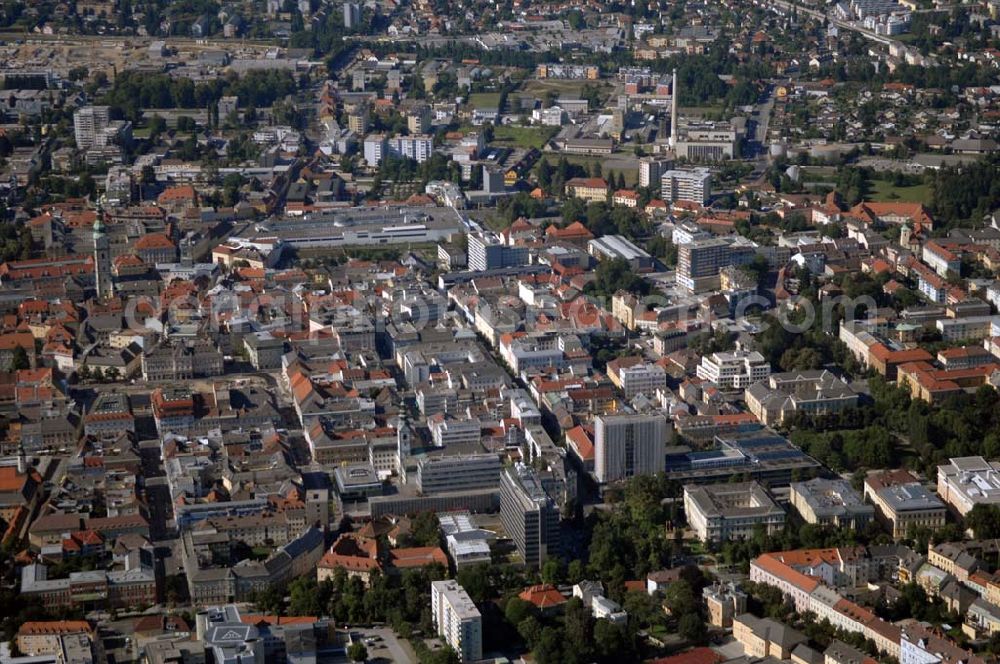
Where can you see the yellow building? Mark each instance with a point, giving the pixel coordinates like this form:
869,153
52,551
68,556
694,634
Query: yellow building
592,190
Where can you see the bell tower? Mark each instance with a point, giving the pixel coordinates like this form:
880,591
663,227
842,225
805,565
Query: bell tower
102,256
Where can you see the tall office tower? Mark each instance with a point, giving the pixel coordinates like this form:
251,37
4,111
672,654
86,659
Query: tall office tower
629,445
700,262
673,111
88,122
488,253
457,620
352,15
529,515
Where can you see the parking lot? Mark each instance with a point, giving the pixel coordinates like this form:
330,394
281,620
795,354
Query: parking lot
383,646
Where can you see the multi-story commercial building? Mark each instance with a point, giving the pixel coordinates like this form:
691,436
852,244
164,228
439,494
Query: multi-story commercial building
640,379
437,474
734,370
629,445
445,431
709,143
687,185
457,620
902,503
722,512
699,262
831,503
264,350
781,395
467,544
965,482
968,328
611,247
487,252
182,360
529,515
44,637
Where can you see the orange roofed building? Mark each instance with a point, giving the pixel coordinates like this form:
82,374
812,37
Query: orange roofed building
360,556
808,577
575,232
43,637
545,597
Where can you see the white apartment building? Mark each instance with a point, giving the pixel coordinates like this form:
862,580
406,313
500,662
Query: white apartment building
457,620
651,171
687,185
376,147
734,370
419,148
88,122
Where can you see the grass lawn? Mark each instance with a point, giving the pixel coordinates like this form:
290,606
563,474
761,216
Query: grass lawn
701,111
607,165
524,137
494,223
568,89
883,191
484,99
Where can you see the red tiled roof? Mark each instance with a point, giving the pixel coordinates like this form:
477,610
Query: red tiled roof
543,596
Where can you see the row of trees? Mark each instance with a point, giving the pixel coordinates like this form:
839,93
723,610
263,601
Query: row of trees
134,91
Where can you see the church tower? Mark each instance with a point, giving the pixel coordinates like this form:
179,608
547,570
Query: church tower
102,257
905,235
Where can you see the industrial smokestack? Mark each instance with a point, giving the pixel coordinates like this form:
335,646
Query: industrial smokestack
673,112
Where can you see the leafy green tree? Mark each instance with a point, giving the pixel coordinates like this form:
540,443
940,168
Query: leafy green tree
357,652
984,520
305,599
679,598
614,275
19,359
611,642
476,581
575,571
554,571
692,627
517,610
271,601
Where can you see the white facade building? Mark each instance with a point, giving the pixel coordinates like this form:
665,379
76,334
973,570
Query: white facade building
734,370
457,620
687,185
